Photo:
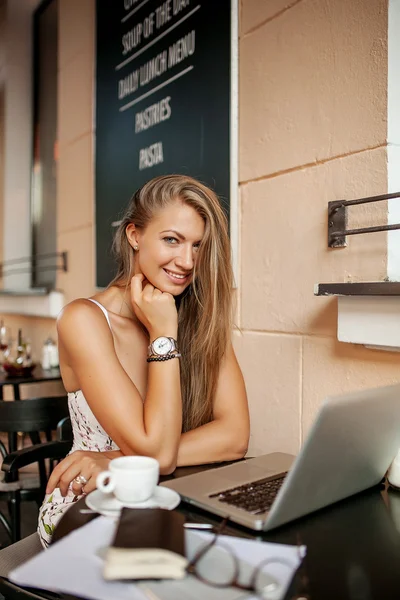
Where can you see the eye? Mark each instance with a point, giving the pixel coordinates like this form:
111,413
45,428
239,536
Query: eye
170,240
196,246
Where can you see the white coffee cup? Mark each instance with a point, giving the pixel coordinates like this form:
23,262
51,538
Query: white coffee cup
130,478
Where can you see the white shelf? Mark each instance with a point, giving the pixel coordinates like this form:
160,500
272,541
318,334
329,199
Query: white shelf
368,312
31,302
373,321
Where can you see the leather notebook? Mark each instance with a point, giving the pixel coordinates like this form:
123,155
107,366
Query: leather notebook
149,543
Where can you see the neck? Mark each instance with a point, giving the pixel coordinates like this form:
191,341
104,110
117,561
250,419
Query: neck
125,309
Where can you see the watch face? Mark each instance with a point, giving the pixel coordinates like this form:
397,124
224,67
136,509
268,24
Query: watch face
162,345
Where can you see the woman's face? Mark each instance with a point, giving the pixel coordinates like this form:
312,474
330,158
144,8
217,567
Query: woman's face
168,247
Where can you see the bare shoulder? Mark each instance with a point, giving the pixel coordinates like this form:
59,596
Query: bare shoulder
81,315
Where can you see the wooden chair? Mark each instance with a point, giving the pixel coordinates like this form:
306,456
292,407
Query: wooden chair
28,416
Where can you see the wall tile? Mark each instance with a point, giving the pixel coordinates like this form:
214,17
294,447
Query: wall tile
284,243
75,185
75,98
79,281
331,368
76,29
255,12
313,85
271,367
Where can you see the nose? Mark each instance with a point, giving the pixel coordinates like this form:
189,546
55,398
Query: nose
184,259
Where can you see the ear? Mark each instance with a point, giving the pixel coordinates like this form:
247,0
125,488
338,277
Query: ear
132,234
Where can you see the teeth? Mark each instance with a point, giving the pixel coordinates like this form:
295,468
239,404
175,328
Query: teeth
175,275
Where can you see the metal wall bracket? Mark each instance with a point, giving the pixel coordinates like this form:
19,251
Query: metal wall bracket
337,220
30,264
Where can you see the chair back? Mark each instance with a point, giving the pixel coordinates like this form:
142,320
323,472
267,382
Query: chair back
64,430
35,414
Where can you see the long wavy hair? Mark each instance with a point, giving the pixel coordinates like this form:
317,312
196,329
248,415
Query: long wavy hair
205,307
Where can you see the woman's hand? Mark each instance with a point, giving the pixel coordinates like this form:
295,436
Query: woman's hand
155,309
81,462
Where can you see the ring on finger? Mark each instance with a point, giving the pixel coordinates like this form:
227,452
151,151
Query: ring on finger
80,480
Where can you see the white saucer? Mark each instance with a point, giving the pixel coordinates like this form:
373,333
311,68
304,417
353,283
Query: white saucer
109,506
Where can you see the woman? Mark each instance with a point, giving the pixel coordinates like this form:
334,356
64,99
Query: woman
148,363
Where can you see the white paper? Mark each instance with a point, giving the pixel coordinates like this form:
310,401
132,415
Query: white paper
74,565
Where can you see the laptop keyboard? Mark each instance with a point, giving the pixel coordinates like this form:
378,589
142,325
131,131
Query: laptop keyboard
255,497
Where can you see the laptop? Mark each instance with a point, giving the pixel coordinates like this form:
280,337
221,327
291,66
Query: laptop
349,448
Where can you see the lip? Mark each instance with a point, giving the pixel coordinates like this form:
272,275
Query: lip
176,280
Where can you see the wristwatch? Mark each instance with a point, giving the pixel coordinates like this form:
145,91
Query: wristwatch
162,346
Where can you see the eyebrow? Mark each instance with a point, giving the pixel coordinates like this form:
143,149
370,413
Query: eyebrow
179,235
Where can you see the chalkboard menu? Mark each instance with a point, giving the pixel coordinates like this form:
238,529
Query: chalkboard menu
162,102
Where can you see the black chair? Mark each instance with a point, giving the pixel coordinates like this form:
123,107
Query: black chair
29,416
64,430
16,554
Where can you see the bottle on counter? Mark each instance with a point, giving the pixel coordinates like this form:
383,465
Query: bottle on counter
46,354
54,360
20,349
49,355
5,342
4,336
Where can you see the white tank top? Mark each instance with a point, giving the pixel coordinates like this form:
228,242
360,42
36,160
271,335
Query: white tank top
105,313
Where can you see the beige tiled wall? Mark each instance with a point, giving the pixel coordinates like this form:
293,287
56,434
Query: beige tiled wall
330,367
284,242
313,76
274,400
75,200
312,82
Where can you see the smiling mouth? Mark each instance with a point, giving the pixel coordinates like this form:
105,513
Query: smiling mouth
178,277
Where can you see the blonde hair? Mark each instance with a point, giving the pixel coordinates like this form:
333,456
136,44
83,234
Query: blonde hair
205,310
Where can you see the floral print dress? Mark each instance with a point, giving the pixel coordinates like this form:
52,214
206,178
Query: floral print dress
88,434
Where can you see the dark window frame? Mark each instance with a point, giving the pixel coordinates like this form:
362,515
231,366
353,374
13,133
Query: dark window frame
36,262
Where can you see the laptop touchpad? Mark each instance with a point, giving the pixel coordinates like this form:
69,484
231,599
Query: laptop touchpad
229,477
242,473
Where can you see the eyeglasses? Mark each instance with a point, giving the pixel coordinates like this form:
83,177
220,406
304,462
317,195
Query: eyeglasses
216,564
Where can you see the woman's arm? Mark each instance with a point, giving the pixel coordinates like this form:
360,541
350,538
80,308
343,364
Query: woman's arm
150,426
226,437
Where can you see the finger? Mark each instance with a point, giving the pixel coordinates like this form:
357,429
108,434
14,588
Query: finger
142,278
137,277
58,472
137,287
90,485
148,291
91,477
78,488
68,476
168,295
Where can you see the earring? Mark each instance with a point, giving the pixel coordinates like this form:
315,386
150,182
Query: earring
136,248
